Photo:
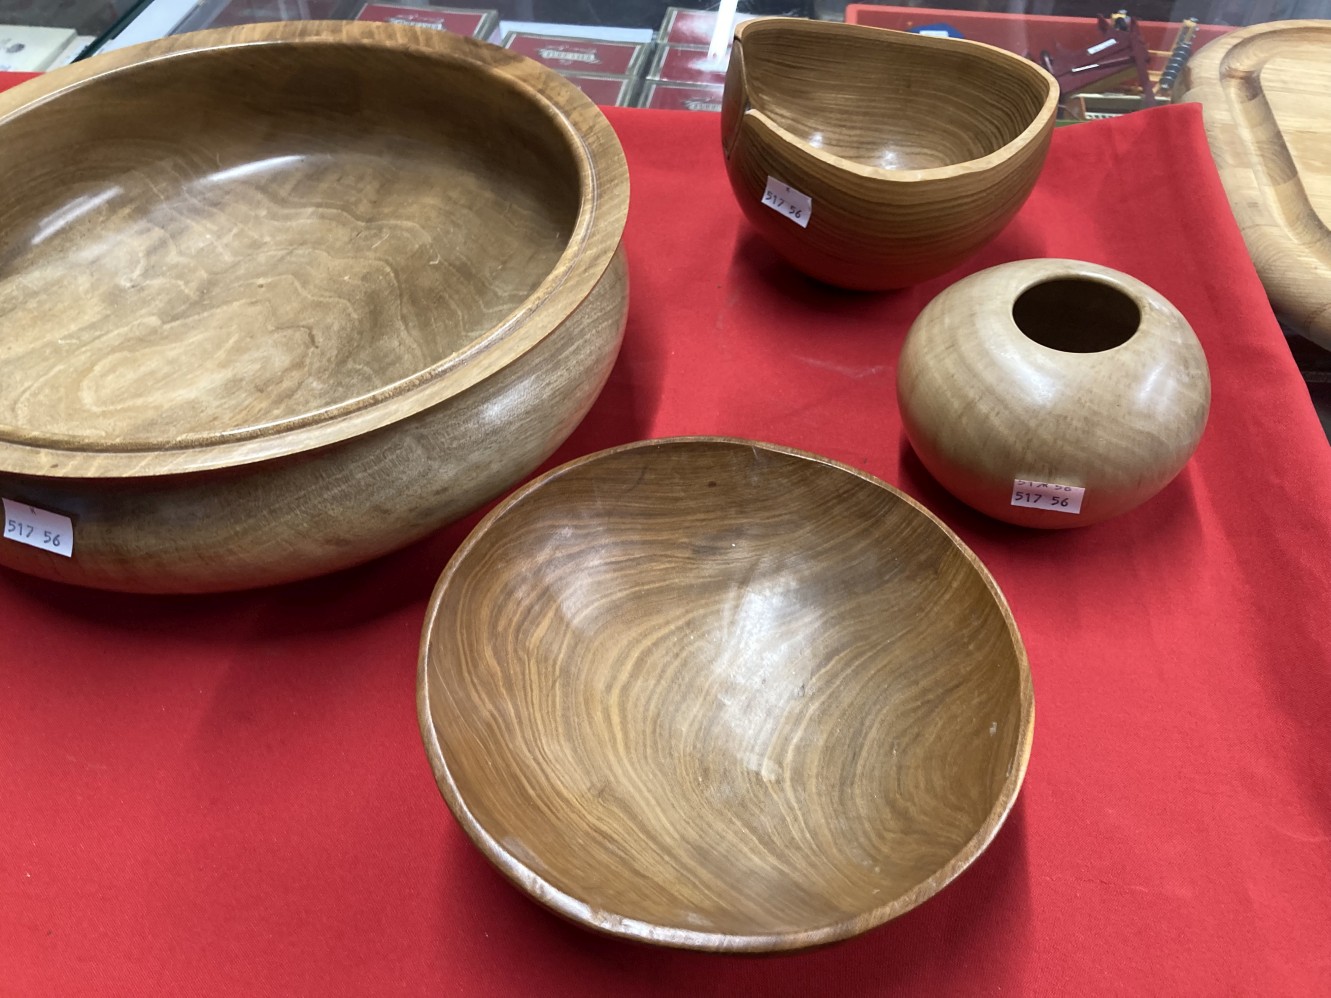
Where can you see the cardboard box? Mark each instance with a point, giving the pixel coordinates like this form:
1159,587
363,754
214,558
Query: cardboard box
30,49
455,20
681,96
579,55
687,64
693,27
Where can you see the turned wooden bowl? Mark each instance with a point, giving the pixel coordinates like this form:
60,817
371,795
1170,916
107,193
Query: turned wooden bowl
1053,393
722,695
1265,92
876,159
277,299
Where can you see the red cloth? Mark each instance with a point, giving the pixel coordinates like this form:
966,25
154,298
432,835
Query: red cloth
229,795
8,80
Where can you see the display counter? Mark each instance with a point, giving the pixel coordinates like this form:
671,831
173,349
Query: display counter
228,794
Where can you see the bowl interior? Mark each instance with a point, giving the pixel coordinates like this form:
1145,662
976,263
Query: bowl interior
722,690
888,99
222,240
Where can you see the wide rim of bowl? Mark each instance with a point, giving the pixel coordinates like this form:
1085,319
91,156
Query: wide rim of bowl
1042,120
595,237
608,923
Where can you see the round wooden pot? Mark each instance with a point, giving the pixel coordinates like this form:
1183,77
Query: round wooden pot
280,298
1053,393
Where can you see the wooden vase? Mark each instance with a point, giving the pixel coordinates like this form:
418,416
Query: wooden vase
1052,393
876,159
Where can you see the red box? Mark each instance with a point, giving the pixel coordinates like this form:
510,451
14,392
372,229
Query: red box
473,23
682,96
687,64
693,27
1027,34
579,55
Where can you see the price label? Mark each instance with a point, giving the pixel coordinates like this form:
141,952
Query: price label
39,528
789,202
1047,495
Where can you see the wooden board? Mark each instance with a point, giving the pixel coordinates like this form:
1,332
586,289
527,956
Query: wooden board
1266,95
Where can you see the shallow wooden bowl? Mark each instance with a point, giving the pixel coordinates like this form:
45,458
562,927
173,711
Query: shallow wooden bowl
1265,92
722,695
280,298
911,151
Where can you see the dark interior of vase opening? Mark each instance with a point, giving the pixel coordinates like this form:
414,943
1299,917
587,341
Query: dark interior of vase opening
319,221
1076,315
889,102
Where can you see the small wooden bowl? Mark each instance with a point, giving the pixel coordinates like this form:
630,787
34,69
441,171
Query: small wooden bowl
1053,393
722,695
283,297
913,151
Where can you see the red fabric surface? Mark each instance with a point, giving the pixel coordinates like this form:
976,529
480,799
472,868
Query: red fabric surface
228,795
8,80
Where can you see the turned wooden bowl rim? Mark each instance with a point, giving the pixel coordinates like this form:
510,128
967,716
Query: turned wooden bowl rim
1244,49
1038,121
603,209
587,913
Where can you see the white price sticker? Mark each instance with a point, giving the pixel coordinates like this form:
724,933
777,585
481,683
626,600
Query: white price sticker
789,202
1047,495
39,528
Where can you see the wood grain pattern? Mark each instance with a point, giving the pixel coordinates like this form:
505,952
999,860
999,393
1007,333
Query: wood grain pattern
1265,92
716,694
305,292
915,150
1053,371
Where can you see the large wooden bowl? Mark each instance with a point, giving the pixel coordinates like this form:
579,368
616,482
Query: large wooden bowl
722,695
911,151
277,299
1265,92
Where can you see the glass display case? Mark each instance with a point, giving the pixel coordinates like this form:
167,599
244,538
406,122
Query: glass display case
1109,57
287,303
657,53
38,35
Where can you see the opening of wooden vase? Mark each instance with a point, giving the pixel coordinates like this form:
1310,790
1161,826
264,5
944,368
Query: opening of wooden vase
1076,315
